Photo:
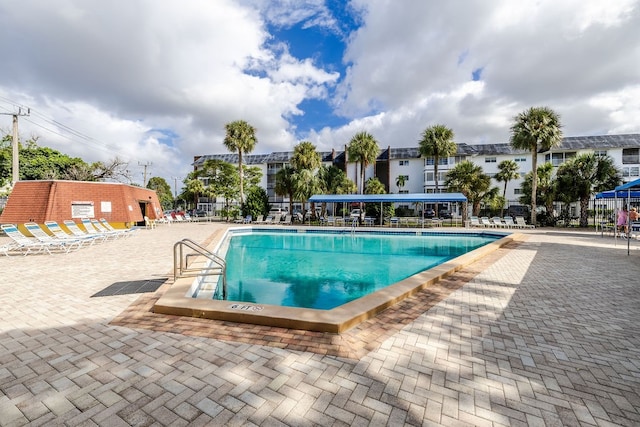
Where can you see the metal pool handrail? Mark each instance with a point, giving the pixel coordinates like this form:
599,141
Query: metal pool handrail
181,263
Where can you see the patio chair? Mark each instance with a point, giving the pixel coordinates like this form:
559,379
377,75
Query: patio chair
78,232
26,244
484,220
65,245
497,222
148,223
474,221
92,230
104,230
522,223
259,220
287,220
509,222
55,229
127,232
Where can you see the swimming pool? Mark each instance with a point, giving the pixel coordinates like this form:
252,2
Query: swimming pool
324,270
178,299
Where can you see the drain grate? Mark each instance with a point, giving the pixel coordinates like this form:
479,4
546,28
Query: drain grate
131,287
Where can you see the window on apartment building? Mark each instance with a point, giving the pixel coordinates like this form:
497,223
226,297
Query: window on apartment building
429,176
403,162
406,177
459,159
520,159
517,191
631,171
490,159
600,153
428,161
630,156
557,159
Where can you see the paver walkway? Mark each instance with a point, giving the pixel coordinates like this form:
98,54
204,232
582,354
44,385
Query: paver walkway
542,333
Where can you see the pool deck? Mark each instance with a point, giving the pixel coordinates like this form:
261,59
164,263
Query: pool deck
543,331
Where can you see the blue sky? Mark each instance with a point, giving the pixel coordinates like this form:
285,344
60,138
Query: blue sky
161,87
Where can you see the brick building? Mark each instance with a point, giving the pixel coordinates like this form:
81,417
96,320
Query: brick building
52,200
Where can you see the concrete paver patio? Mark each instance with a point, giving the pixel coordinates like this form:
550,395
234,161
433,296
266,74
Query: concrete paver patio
543,332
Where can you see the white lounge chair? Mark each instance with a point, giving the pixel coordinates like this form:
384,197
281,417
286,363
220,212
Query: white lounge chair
522,223
497,222
91,230
509,222
25,244
65,245
474,221
125,231
55,229
104,230
78,232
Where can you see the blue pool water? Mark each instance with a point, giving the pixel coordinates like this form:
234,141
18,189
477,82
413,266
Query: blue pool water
325,270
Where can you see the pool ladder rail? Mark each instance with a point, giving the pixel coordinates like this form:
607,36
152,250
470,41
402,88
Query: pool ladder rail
183,267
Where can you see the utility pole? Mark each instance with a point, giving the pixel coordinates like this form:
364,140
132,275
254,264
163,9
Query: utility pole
145,165
175,192
15,167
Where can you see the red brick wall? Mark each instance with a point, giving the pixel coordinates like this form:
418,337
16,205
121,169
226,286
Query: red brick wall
41,201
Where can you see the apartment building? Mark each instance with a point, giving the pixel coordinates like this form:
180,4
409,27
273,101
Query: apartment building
419,174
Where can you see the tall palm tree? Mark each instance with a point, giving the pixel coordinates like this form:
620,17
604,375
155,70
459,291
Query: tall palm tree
363,148
241,138
437,142
507,171
584,175
537,128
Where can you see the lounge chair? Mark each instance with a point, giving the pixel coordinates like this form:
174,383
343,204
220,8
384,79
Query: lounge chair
78,232
125,231
509,222
287,220
92,230
497,222
26,244
474,221
66,245
522,223
57,231
102,229
484,220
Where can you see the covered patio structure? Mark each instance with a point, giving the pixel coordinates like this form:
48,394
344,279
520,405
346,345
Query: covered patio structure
424,198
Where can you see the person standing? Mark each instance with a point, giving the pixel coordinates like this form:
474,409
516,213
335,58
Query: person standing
622,221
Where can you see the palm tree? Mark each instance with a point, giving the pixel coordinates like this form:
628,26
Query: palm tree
334,180
545,189
470,180
507,171
305,156
537,128
363,148
582,176
284,185
240,138
305,162
400,182
437,142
